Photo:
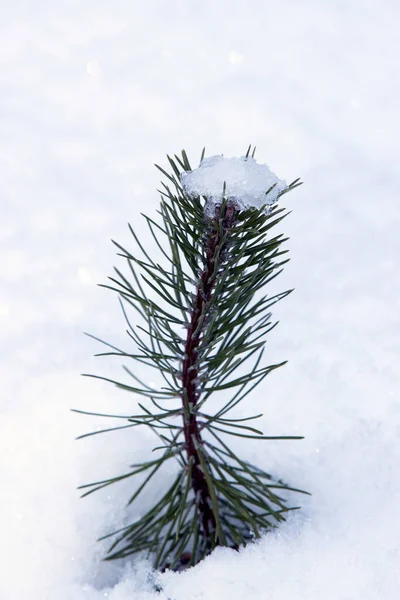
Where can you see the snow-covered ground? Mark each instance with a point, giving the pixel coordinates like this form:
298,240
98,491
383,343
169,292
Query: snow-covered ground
91,95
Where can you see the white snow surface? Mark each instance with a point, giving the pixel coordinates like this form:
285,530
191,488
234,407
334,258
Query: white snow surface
92,94
241,179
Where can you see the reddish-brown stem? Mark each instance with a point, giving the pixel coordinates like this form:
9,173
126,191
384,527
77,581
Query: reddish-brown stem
190,368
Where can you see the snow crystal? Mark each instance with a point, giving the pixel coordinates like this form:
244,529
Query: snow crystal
241,179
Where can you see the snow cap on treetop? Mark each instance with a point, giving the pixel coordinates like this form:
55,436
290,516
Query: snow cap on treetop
246,182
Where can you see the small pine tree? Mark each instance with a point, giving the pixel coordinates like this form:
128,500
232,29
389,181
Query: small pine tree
216,261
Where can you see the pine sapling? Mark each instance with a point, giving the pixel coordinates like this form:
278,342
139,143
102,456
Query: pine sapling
218,254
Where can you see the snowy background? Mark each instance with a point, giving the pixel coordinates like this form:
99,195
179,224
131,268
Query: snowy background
92,93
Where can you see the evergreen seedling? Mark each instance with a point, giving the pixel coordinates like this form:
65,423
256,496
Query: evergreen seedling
202,318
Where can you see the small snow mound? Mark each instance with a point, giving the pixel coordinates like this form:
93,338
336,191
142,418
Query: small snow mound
247,182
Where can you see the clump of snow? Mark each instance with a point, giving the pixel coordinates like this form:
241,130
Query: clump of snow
240,179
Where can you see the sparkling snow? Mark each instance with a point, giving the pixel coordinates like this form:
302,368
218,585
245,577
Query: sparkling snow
243,180
92,94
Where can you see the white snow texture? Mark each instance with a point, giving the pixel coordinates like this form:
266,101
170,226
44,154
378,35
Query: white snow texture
92,94
243,180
